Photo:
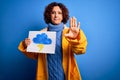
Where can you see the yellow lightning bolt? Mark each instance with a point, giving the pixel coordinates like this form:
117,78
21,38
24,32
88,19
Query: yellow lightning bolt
40,46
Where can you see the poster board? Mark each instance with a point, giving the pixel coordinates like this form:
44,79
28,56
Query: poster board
42,42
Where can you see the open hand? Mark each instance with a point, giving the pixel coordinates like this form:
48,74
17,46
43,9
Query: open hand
74,29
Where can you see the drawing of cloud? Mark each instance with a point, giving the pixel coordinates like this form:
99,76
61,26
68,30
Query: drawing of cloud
42,39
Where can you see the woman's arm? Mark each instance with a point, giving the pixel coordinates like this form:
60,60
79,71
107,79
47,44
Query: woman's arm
76,37
79,44
22,47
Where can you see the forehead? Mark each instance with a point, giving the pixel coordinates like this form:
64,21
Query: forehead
56,8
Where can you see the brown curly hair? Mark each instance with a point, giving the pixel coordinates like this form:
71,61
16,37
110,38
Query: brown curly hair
48,10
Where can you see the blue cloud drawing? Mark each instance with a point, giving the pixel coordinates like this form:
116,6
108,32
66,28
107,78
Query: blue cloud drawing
42,39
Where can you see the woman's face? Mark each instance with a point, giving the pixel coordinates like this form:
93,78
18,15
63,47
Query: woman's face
56,15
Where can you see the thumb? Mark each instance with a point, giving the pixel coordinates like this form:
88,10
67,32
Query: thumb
79,25
67,35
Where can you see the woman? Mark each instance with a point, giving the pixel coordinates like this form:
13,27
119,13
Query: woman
61,65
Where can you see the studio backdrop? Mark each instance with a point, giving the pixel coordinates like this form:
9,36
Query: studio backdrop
100,21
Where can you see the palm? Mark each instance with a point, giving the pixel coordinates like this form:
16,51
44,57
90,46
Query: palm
74,29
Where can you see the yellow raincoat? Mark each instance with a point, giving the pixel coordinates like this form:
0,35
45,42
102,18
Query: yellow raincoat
69,47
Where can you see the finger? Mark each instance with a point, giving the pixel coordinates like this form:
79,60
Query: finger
70,22
27,38
78,25
75,22
27,41
67,35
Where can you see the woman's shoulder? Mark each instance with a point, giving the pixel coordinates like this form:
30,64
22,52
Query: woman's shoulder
44,29
65,29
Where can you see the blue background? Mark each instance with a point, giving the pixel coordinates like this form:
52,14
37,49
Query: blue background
100,21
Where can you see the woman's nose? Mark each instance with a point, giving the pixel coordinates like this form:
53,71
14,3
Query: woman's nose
56,14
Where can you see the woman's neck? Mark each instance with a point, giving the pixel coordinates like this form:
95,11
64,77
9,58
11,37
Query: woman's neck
58,27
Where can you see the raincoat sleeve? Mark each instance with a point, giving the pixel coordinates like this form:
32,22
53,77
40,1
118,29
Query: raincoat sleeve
22,48
79,44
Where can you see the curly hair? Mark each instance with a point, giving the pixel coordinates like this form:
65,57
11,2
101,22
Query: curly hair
48,10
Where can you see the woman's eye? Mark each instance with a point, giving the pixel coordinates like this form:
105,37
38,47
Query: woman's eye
52,12
59,12
56,12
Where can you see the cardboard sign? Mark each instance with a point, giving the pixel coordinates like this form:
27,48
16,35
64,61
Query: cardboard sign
42,42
